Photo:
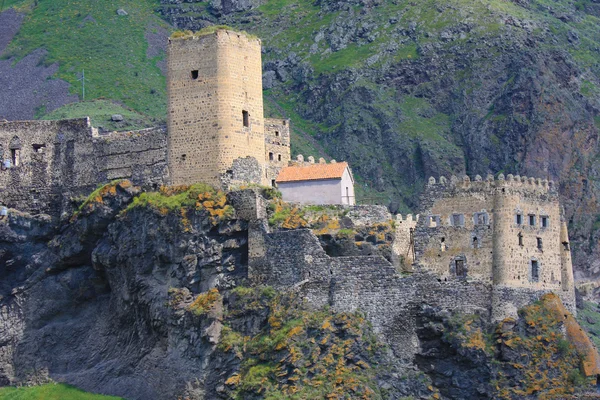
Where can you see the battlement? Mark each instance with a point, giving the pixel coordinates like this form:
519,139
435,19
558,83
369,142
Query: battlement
301,161
515,182
240,37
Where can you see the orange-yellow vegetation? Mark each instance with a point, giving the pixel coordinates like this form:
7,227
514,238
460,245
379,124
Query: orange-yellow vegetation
308,354
204,302
98,196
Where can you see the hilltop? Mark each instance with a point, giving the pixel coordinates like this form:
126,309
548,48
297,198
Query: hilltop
401,89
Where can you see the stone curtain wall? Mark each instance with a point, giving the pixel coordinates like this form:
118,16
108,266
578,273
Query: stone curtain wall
277,146
139,156
48,154
64,159
211,81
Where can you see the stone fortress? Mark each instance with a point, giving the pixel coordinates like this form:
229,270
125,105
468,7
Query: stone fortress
493,244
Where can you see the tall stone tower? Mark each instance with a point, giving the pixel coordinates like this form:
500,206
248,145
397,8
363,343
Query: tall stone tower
215,111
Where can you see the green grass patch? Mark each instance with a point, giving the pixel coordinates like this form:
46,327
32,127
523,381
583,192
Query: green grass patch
51,391
589,319
100,113
89,35
177,199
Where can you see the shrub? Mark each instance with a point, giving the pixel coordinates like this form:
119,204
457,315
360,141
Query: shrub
204,302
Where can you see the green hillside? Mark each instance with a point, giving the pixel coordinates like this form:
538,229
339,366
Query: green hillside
84,35
50,391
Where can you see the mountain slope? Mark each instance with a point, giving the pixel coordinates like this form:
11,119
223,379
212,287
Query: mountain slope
401,89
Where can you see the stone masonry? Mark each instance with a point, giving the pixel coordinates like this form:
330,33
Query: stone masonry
215,113
47,163
216,134
508,232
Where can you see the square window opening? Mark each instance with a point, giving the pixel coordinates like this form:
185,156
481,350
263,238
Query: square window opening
195,74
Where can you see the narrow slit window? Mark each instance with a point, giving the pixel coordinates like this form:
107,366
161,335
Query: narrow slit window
15,156
475,242
270,156
246,118
195,74
273,182
544,221
531,220
519,219
277,133
535,271
278,157
520,236
539,243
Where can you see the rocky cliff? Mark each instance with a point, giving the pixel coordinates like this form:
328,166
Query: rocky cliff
146,295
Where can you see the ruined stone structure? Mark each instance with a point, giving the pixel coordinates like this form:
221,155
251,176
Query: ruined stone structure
507,232
45,164
216,134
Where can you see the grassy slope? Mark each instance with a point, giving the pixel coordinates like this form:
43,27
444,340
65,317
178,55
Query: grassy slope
50,392
89,35
100,113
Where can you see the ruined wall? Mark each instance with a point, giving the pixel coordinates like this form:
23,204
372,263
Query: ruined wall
215,111
60,160
403,247
505,231
277,146
456,227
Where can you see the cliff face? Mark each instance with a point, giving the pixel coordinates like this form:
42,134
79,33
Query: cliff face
145,295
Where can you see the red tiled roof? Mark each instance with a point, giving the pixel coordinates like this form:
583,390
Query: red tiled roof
312,172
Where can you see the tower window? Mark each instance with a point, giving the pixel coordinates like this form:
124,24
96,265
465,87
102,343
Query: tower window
535,271
519,219
277,133
458,220
434,221
246,118
15,156
539,243
278,157
183,157
544,221
195,74
565,246
460,269
531,220
270,156
284,122
273,182
520,236
475,242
